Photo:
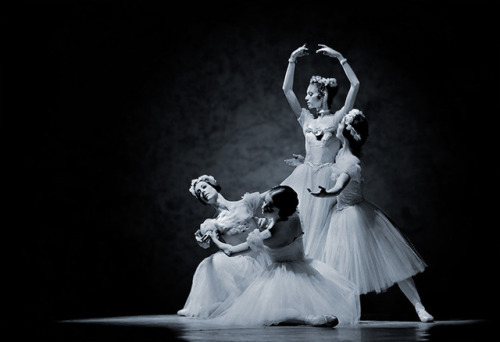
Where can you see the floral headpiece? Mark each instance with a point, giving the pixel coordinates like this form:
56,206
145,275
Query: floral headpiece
330,82
348,119
205,178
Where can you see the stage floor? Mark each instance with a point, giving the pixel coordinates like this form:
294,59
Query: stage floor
175,328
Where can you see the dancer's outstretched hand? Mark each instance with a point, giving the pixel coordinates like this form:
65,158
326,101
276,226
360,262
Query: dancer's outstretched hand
321,193
296,160
326,50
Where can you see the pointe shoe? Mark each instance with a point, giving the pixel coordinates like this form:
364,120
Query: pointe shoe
423,315
322,321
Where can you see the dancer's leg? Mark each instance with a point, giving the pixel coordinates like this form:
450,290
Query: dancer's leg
315,321
409,289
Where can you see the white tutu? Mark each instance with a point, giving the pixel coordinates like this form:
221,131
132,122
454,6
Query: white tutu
362,243
368,249
219,279
292,290
314,211
321,146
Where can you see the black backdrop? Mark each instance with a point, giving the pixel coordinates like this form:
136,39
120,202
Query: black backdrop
109,109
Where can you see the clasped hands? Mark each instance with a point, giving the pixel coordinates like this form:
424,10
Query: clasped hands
207,229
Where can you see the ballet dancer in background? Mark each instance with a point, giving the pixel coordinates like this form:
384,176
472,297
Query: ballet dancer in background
362,243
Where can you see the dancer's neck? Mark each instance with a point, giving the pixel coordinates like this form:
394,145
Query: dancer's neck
323,112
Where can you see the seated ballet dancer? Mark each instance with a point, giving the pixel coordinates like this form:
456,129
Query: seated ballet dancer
293,289
218,278
362,243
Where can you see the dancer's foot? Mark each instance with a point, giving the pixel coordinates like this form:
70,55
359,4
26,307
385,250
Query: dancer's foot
182,312
423,314
322,320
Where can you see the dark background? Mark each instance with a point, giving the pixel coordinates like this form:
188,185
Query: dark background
109,109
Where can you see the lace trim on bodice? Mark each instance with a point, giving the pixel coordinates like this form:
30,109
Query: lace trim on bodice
323,128
317,167
321,143
232,225
321,134
240,217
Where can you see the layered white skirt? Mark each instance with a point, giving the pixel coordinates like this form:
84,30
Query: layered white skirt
219,279
290,291
314,211
365,246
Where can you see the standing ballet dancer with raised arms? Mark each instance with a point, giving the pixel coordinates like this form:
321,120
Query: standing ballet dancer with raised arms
319,124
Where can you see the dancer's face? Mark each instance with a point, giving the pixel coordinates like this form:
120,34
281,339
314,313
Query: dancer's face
206,192
268,208
267,205
313,97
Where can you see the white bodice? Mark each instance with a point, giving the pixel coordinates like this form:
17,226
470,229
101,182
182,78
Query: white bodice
353,192
321,144
236,223
291,252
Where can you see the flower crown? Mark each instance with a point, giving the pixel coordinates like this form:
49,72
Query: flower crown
348,119
330,82
205,178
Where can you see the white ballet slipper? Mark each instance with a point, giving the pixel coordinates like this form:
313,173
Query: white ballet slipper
322,320
183,312
423,315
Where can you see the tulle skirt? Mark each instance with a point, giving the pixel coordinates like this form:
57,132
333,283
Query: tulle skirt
314,212
219,279
291,291
366,247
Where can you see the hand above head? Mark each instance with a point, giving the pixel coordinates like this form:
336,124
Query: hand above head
301,51
328,51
